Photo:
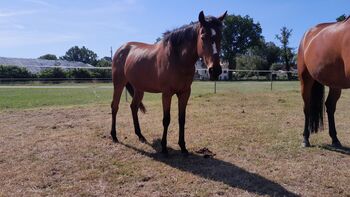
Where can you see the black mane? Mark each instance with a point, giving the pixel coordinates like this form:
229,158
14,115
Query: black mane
187,32
180,35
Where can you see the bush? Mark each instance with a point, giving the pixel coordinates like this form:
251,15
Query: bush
53,73
277,66
79,73
14,72
103,63
102,73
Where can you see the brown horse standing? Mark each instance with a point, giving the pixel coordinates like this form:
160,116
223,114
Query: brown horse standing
323,59
166,67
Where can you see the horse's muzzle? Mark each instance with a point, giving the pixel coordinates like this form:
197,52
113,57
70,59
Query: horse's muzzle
215,72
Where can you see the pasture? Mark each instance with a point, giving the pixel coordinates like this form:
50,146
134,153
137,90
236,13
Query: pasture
56,141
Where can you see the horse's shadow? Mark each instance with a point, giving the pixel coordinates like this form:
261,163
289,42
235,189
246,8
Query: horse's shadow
344,150
216,170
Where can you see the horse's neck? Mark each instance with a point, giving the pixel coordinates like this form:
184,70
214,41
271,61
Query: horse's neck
188,54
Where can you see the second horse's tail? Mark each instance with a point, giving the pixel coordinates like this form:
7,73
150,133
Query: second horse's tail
316,107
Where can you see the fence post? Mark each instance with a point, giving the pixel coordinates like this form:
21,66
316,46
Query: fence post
214,87
271,78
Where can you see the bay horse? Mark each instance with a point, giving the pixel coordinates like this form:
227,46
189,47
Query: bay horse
323,60
166,67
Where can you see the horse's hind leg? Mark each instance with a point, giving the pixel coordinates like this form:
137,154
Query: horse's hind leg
306,88
331,102
118,90
135,104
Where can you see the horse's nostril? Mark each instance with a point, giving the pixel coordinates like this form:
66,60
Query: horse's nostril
211,70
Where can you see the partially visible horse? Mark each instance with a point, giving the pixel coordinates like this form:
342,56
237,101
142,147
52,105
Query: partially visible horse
323,59
166,67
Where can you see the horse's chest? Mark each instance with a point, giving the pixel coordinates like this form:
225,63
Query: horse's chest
177,80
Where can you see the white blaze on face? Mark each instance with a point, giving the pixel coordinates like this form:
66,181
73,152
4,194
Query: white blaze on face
213,33
215,51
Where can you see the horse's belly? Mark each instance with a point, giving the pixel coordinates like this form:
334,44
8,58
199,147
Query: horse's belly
143,78
144,83
334,77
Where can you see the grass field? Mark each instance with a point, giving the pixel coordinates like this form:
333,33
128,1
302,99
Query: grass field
72,94
55,141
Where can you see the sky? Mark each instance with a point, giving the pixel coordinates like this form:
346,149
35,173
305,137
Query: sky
31,28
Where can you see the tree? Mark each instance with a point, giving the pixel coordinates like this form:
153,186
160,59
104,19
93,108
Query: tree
103,63
252,60
269,51
106,58
48,57
239,34
80,55
272,53
341,18
287,53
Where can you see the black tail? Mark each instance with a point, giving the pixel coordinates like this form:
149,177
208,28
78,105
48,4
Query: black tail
131,92
316,107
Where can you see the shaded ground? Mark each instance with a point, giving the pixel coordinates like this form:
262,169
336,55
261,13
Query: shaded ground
255,137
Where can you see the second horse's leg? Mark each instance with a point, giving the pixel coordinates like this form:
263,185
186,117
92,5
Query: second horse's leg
331,103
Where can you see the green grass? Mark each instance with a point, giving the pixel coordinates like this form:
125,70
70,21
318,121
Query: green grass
34,96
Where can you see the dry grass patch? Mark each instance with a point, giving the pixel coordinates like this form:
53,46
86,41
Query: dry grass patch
256,137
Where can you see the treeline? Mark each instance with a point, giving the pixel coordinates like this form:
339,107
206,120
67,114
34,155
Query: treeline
245,48
14,72
82,54
76,54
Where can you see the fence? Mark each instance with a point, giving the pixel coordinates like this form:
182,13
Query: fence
200,74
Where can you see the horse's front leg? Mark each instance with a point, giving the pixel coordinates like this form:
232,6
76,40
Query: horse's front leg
183,99
166,100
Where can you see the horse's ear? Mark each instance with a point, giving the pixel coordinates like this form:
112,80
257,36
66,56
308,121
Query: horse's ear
222,17
201,18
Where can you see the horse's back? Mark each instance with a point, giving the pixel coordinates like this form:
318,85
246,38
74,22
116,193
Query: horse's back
321,51
140,65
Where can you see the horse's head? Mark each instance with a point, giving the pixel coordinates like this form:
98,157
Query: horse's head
209,43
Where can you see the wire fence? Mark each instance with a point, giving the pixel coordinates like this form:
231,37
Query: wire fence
200,75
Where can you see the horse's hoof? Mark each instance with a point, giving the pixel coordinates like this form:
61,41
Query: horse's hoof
142,139
185,152
115,139
306,144
336,144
